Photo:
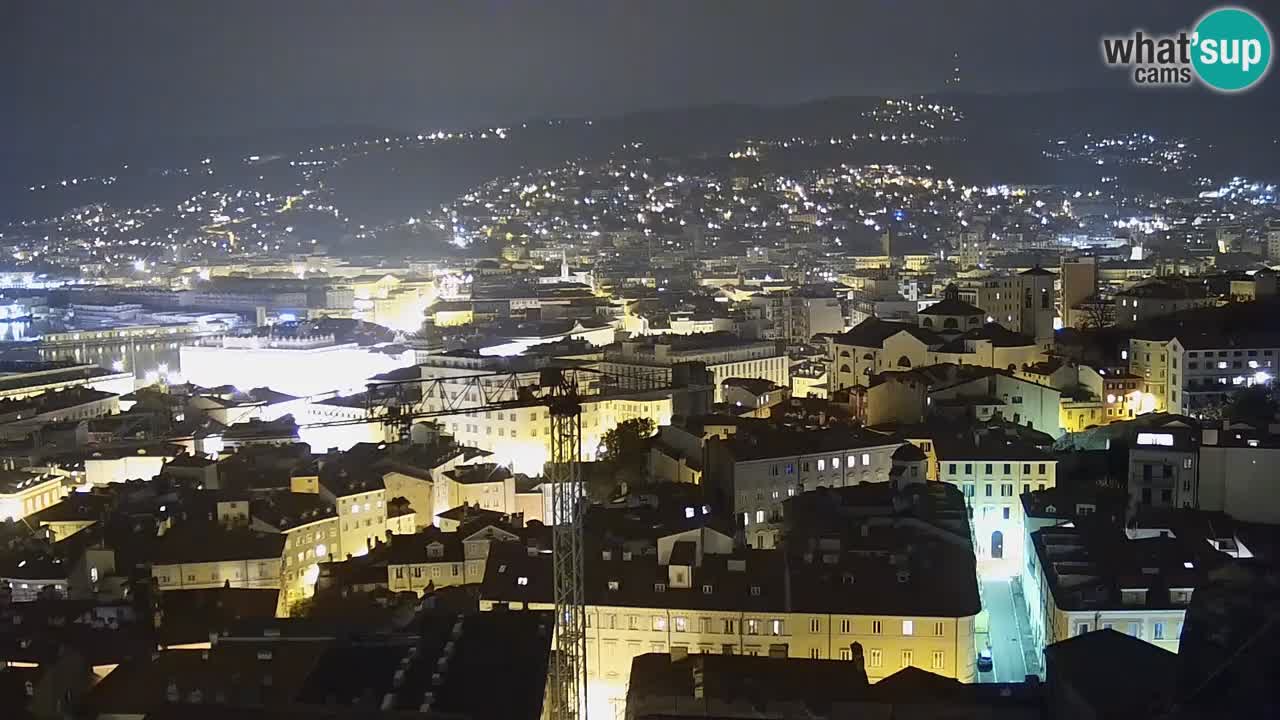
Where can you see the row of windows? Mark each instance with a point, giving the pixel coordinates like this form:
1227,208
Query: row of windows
1041,468
1235,353
1159,630
419,571
807,466
750,626
1006,489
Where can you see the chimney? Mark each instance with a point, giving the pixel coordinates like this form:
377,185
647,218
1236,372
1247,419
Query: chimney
859,664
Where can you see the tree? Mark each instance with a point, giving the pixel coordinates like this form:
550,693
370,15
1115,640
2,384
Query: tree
1255,405
627,443
623,459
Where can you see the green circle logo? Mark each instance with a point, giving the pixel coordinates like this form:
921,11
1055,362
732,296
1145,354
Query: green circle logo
1231,49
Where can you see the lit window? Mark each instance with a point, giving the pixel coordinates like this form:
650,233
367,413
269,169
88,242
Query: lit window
866,458
908,627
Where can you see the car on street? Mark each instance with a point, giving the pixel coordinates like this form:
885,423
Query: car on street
985,663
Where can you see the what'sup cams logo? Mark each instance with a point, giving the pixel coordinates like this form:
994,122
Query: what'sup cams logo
1229,50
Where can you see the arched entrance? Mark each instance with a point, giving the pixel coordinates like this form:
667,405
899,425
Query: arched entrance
997,545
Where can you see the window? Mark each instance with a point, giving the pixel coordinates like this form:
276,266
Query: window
968,469
1135,629
951,468
1082,628
822,465
1157,631
875,658
866,458
875,627
759,516
907,658
939,660
815,654
729,627
682,623
844,626
775,627
815,625
908,627
660,623
988,470
1008,469
989,489
753,627
846,654
1005,512
938,629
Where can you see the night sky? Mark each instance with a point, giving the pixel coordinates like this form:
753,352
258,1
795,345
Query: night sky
101,71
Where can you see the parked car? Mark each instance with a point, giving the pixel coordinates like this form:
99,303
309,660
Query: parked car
984,661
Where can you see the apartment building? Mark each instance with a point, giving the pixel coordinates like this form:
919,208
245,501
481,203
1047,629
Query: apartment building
1023,303
1091,576
698,594
434,558
1160,365
640,362
24,493
1237,474
1164,466
753,472
992,469
200,557
1158,297
1196,365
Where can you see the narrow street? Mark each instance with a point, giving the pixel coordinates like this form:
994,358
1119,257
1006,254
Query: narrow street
1009,637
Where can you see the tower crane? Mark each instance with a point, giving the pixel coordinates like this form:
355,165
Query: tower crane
398,403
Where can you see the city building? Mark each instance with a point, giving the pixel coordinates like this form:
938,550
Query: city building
23,379
1090,576
1023,303
298,366
23,493
1158,298
1195,365
876,346
992,469
1079,283
698,593
753,472
671,685
1237,474
638,363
